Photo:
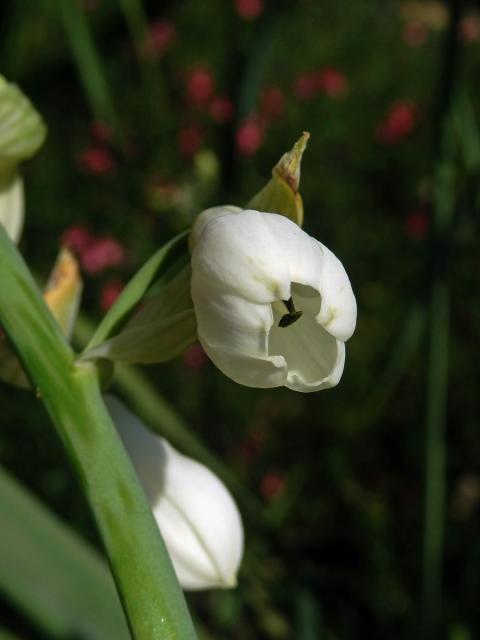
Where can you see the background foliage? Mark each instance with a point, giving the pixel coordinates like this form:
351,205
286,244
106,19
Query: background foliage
156,111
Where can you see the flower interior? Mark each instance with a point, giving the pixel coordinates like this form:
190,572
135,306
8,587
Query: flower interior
309,350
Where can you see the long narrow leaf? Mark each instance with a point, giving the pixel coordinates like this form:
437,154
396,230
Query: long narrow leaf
136,288
52,575
88,61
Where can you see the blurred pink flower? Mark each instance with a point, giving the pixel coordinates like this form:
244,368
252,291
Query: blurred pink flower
306,86
200,86
469,28
190,139
272,485
161,35
272,102
221,109
195,357
328,80
76,238
332,82
101,132
249,136
417,224
97,160
415,34
248,9
399,121
100,254
109,293
251,446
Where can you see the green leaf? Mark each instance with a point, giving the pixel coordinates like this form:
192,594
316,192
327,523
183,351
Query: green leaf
51,574
161,330
7,635
150,343
466,127
22,130
308,617
136,289
88,62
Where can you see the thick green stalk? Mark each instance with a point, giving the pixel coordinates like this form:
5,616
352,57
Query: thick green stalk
153,602
158,415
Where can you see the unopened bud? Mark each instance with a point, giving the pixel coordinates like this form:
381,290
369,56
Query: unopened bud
11,203
280,194
197,517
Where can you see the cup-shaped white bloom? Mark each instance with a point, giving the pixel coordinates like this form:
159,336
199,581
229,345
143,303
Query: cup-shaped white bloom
197,517
274,306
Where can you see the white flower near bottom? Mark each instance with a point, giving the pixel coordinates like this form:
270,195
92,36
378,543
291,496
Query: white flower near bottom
274,306
197,517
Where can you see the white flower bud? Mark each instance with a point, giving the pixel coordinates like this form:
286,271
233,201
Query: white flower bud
274,306
196,514
12,204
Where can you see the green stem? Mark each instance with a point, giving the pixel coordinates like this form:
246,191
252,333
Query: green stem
153,602
88,63
435,457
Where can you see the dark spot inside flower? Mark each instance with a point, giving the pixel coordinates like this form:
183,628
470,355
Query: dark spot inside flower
292,316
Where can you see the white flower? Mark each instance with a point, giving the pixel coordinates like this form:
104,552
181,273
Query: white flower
274,306
195,513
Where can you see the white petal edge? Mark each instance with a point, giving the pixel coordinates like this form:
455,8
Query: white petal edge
205,217
249,253
12,205
338,313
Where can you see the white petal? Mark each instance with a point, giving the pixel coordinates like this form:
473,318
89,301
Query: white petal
338,313
234,334
196,514
12,206
315,359
206,216
255,255
208,553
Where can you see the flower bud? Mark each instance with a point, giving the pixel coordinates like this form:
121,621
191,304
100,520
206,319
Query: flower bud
64,290
62,295
280,195
197,517
11,203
